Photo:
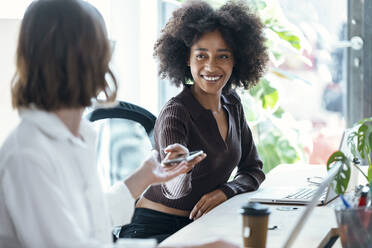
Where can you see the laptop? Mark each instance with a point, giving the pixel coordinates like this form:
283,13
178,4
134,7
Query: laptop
304,194
310,207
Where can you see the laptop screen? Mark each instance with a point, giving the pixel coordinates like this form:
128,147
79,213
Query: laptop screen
310,207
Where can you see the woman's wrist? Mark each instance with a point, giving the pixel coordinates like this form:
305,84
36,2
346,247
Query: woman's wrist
138,182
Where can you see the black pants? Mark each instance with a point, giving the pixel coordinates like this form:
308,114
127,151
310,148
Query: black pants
148,223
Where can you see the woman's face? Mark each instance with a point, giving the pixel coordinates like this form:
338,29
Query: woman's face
211,63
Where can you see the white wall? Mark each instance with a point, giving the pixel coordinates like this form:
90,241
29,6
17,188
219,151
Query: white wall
8,40
148,67
132,24
124,30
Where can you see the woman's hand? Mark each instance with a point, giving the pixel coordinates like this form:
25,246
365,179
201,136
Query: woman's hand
152,172
161,173
207,203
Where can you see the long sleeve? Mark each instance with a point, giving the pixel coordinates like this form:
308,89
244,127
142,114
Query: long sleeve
171,127
50,193
120,204
184,120
249,175
37,207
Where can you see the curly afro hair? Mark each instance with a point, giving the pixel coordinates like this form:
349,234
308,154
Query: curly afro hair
241,29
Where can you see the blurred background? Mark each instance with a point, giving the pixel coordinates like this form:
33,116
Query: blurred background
296,112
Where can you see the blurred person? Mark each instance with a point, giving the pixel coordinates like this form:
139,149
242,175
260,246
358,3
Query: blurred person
333,93
208,52
50,195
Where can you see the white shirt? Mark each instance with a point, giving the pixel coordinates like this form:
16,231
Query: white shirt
50,194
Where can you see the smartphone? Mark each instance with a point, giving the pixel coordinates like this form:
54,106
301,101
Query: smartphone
185,157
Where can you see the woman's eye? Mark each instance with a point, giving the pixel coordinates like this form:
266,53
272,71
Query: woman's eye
224,56
200,56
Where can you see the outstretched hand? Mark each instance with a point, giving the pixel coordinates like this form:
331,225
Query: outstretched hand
161,173
153,172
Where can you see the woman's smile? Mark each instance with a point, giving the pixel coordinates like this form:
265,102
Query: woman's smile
211,63
211,78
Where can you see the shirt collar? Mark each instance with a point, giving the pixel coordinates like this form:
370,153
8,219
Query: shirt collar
52,126
193,105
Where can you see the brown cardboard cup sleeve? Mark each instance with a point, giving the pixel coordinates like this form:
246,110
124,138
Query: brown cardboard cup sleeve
255,222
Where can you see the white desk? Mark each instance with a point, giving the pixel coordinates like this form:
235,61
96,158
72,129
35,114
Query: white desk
225,221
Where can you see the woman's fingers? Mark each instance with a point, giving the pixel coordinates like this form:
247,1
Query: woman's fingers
198,211
208,209
207,203
176,170
167,171
198,159
189,165
175,151
176,148
197,208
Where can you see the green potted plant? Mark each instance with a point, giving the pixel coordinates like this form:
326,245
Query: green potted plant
359,141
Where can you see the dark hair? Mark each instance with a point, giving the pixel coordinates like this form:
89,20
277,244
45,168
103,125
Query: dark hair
63,56
241,29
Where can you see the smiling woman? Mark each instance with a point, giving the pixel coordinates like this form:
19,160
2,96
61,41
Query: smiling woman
211,63
209,52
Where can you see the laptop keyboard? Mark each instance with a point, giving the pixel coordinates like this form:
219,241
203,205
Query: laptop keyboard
305,193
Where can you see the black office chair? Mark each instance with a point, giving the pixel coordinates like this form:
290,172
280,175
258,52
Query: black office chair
125,137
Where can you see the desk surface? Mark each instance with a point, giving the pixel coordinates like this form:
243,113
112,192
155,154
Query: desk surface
225,222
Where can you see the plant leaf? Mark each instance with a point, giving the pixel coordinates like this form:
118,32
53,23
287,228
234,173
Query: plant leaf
274,148
269,96
288,36
342,178
257,90
269,100
288,153
270,156
362,131
279,112
362,121
352,141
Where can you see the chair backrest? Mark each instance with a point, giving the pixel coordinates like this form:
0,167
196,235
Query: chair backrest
125,110
125,137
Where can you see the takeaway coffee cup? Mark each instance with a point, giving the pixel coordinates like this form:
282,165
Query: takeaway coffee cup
255,222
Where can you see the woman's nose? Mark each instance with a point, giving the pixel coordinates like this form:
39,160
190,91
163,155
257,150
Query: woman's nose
210,64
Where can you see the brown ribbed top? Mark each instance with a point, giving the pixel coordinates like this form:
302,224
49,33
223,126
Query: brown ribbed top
185,121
